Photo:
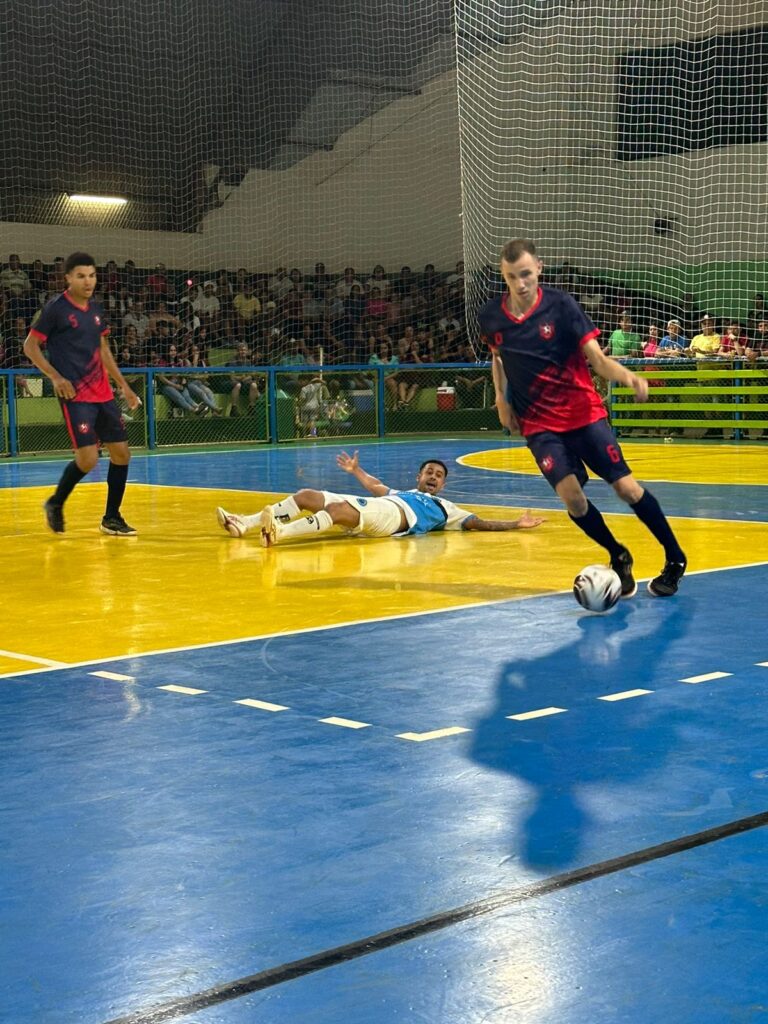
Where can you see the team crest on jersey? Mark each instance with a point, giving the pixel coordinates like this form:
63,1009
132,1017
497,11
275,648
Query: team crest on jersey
547,331
97,321
547,463
73,321
83,428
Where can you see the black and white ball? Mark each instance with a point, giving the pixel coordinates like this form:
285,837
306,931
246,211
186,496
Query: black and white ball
597,588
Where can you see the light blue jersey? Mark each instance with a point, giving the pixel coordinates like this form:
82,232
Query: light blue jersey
426,513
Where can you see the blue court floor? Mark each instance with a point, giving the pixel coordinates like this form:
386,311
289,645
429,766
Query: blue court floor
510,812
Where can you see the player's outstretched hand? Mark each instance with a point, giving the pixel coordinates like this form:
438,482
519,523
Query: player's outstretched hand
640,387
528,520
348,463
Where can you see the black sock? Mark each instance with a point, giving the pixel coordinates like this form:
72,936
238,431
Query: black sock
597,530
116,479
648,511
71,476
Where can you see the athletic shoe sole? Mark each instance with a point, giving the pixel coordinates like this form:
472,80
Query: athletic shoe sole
228,523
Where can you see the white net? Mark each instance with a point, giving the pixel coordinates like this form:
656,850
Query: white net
629,141
246,137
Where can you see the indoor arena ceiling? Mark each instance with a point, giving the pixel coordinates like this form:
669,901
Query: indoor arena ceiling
163,101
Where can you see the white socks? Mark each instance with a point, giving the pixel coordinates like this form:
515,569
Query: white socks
286,509
319,522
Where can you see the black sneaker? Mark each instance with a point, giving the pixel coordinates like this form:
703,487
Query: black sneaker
54,515
116,526
665,584
622,566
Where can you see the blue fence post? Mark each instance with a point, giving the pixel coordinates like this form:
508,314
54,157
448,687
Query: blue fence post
380,417
272,404
149,395
10,397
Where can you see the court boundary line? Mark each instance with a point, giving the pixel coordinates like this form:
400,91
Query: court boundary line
66,666
337,955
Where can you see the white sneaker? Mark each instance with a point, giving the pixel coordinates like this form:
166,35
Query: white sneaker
233,524
269,527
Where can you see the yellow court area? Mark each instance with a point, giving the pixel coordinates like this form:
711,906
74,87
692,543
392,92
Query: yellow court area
183,581
678,462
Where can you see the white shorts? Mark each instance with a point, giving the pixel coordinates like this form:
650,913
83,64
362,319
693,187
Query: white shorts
379,517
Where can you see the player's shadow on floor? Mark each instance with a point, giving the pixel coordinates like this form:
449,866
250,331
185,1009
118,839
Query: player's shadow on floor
595,750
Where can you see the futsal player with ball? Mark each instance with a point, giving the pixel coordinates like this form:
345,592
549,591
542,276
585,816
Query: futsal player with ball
543,345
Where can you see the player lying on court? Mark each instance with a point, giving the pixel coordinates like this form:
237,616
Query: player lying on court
541,343
389,513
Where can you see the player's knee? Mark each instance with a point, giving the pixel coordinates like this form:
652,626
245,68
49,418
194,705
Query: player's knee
86,459
342,513
628,489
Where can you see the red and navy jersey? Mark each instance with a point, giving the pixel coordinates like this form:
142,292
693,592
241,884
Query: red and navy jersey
550,386
72,335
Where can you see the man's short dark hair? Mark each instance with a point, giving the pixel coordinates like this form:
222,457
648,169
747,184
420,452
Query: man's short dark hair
518,247
78,259
436,462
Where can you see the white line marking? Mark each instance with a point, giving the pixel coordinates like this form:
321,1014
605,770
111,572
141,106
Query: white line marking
420,737
624,695
113,675
475,605
48,662
541,713
181,689
762,664
706,677
262,705
345,723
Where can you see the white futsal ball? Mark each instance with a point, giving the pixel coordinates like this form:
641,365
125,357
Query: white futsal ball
597,588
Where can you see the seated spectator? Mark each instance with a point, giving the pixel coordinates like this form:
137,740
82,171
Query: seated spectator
354,305
624,343
162,315
383,356
57,282
429,280
650,348
756,314
378,279
346,283
247,311
197,384
471,388
137,318
279,284
245,380
312,308
173,386
321,278
758,342
208,308
707,342
297,280
404,281
376,308
14,280
733,343
110,279
38,280
129,276
457,277
673,343
159,286
292,312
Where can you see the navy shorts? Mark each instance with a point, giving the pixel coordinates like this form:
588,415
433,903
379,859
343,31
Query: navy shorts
594,446
91,422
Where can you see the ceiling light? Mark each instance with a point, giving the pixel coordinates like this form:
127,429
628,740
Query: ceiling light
101,200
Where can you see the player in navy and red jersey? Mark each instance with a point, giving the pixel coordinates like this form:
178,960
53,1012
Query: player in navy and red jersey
78,358
542,345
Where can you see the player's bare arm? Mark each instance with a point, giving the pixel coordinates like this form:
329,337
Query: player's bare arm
503,408
113,370
351,464
610,369
527,521
62,387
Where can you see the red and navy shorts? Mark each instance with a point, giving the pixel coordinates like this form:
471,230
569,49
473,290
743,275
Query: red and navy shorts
91,422
594,446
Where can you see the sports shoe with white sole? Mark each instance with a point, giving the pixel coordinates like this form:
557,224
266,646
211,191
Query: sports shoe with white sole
116,526
666,583
269,527
233,524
